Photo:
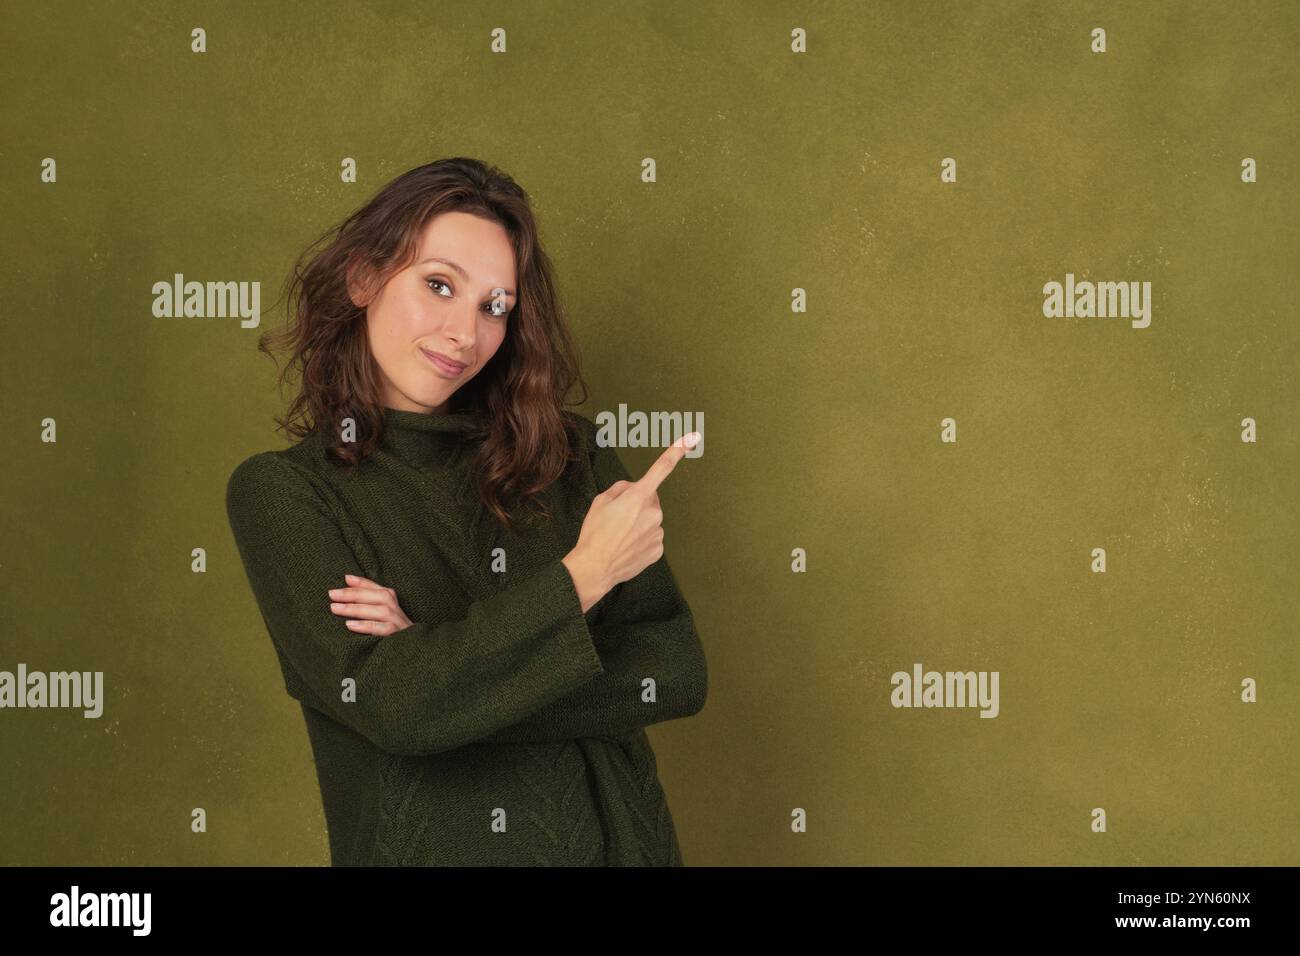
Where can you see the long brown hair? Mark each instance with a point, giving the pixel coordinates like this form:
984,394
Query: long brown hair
517,398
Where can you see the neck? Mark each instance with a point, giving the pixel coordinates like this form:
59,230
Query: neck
421,438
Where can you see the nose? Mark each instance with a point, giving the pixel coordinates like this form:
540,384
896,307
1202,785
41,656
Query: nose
459,326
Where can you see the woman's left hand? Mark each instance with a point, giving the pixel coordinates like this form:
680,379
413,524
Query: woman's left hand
374,606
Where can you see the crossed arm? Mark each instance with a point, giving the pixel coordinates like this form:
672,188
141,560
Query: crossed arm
521,666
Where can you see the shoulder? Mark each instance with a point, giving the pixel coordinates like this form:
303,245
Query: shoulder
263,467
602,461
270,480
297,462
587,437
296,465
582,428
255,477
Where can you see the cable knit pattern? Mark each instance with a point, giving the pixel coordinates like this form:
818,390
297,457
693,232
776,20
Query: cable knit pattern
505,726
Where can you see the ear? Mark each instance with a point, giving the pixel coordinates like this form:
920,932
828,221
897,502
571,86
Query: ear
360,282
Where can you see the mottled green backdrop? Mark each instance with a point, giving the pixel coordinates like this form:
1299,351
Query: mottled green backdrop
775,171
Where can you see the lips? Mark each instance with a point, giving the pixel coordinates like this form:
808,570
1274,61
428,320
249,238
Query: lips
450,366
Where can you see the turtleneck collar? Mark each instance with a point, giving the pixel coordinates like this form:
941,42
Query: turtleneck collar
420,438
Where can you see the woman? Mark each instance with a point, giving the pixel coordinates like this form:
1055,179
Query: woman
466,593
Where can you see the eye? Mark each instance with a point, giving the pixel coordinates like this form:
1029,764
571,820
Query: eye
494,310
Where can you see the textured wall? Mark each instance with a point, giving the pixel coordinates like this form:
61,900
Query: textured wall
774,171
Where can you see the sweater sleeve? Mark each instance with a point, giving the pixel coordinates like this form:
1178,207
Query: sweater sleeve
644,630
425,689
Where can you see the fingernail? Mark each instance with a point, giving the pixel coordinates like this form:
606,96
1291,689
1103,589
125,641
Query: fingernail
691,440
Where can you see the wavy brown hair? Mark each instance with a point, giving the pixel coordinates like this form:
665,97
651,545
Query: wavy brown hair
517,399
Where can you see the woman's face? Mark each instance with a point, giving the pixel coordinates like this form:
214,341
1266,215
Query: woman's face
455,308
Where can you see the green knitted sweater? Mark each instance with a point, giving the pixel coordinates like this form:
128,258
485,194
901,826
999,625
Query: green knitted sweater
505,726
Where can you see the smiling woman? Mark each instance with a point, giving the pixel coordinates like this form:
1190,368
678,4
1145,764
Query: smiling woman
434,325
444,260
466,592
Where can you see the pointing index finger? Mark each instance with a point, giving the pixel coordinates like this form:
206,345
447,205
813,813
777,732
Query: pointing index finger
665,463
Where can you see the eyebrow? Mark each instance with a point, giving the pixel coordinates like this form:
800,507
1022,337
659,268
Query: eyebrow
461,272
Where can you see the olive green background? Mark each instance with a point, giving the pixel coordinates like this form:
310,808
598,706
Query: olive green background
775,171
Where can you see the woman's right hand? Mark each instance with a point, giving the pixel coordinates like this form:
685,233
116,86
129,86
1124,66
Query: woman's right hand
623,533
